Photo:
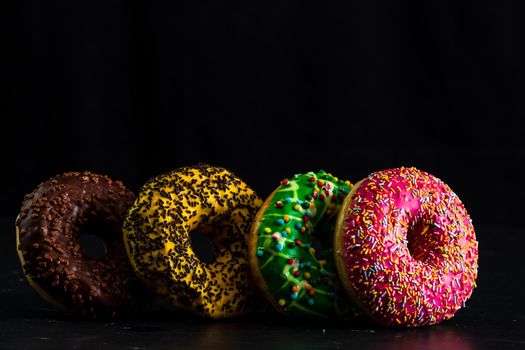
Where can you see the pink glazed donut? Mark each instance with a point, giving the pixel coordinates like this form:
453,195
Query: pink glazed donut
405,248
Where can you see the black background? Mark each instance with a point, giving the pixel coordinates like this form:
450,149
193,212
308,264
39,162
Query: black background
267,89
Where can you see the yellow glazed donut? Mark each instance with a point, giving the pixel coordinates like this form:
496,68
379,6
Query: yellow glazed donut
157,238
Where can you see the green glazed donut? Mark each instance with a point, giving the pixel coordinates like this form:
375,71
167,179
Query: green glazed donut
291,246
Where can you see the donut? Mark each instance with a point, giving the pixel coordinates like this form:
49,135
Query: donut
291,246
405,248
169,207
52,220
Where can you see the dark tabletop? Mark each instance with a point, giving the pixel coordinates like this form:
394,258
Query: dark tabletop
494,317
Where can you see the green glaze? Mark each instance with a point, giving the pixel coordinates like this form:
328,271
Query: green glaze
308,285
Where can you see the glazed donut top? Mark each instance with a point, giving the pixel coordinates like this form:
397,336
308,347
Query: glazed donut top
49,226
300,278
409,247
157,231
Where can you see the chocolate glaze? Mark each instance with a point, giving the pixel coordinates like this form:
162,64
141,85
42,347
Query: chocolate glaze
49,227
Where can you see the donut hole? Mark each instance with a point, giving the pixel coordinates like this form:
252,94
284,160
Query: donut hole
420,242
202,246
318,246
91,244
321,239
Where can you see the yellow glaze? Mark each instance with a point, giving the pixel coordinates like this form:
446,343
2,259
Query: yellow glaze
156,235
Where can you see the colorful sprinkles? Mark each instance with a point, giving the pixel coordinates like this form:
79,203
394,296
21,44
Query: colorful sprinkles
406,248
300,279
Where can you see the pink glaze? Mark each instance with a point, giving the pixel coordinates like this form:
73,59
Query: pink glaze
410,251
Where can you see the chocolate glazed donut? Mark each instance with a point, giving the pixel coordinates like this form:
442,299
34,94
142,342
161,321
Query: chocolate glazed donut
52,220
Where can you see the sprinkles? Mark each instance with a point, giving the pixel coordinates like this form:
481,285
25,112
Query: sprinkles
47,245
297,279
399,250
174,204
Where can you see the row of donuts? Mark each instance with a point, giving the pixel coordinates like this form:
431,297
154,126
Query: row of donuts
397,246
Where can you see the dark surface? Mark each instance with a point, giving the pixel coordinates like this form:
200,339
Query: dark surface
493,319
